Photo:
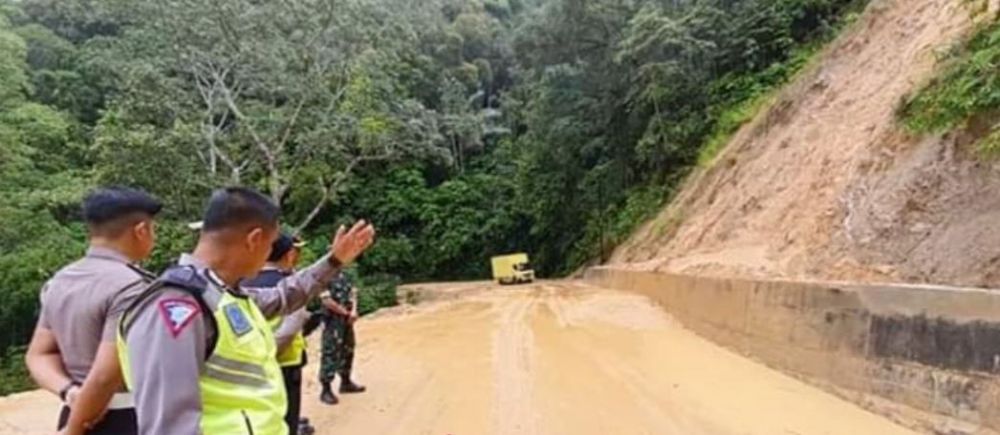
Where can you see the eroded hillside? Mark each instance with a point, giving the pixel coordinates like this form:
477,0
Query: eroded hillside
826,185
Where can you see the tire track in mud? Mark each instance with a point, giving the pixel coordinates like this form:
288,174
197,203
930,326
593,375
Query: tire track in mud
562,304
513,363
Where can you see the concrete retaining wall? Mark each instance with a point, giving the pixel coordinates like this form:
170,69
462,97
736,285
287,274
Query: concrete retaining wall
925,356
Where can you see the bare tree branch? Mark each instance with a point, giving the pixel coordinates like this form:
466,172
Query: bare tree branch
208,81
270,157
291,125
329,188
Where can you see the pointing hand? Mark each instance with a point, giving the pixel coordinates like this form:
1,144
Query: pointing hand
349,244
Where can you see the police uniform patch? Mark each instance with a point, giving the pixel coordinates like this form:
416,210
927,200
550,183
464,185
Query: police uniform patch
237,319
177,314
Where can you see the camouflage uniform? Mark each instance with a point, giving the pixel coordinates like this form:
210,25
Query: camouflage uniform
338,335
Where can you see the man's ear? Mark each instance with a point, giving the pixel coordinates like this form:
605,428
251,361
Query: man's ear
256,237
142,229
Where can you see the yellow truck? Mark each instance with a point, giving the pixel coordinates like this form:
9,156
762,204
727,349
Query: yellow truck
512,269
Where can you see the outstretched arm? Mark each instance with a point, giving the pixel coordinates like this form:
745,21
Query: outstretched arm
295,291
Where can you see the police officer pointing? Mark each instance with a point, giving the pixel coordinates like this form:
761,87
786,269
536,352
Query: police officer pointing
197,350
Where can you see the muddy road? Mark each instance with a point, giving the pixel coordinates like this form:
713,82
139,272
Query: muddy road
551,358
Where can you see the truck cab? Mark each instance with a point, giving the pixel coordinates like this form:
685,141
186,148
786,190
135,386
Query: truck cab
512,269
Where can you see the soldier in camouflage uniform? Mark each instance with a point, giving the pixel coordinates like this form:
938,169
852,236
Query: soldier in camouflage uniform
341,306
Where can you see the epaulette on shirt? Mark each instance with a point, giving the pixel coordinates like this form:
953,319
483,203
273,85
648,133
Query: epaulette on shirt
184,278
145,277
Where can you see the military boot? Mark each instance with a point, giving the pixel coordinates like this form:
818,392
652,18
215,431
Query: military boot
347,386
305,428
327,396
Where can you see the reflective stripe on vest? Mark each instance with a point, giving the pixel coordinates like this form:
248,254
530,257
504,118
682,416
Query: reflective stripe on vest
241,385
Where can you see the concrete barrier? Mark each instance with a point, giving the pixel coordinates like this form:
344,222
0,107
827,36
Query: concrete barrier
925,356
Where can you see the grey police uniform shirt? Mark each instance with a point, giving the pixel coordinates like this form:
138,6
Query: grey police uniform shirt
167,352
82,302
290,326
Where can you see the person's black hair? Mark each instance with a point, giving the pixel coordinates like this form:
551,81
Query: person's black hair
239,207
284,243
110,209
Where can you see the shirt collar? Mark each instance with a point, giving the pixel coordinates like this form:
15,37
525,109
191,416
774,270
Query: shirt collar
191,260
201,267
107,254
215,280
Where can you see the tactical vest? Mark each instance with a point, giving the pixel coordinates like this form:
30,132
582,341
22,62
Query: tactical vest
242,391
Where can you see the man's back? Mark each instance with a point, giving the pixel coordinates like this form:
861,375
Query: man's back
81,304
268,277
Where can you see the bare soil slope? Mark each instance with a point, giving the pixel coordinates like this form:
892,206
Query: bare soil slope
825,185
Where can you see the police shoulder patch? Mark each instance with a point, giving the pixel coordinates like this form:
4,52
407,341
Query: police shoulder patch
177,314
237,319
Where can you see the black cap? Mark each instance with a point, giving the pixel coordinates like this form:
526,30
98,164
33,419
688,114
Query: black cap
284,243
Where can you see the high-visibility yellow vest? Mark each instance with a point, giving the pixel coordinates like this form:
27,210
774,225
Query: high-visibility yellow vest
242,390
291,355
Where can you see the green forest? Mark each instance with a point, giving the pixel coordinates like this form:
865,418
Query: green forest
461,128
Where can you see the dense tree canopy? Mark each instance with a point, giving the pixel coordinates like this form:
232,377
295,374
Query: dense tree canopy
462,128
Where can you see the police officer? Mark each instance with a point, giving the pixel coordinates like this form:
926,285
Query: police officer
288,330
74,341
341,303
196,348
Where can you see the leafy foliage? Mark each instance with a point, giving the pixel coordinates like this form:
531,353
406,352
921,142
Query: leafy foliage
968,88
376,291
13,373
627,95
462,128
